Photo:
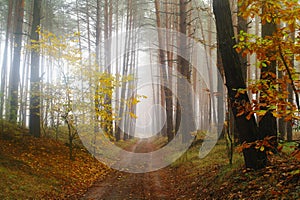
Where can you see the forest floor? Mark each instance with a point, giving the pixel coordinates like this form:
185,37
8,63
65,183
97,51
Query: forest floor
211,178
33,168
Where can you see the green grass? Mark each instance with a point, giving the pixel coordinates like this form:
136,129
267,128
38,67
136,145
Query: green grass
288,147
214,167
18,184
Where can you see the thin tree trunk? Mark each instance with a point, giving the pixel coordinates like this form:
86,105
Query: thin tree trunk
125,70
242,26
117,88
5,57
289,125
107,46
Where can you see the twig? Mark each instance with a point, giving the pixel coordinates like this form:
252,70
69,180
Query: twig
290,77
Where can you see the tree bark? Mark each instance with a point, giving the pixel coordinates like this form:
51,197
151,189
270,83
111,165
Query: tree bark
108,127
34,119
185,108
242,26
248,130
15,70
268,123
125,69
165,78
5,57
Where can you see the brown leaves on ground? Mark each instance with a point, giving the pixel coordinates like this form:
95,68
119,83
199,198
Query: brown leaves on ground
280,180
33,168
46,163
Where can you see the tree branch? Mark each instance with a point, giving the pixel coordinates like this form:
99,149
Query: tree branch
290,77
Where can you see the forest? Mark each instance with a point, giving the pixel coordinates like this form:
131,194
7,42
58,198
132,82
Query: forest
149,99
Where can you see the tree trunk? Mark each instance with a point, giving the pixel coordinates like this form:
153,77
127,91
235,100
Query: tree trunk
34,119
248,130
185,108
169,99
268,123
289,125
15,70
127,46
242,26
5,57
107,45
165,78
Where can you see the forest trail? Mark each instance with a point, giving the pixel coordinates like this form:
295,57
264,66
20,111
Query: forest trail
159,184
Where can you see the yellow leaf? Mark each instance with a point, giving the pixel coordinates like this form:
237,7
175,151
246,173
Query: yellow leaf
269,18
132,115
262,148
242,38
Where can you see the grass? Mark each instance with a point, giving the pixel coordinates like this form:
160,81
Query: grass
218,155
214,178
288,147
17,184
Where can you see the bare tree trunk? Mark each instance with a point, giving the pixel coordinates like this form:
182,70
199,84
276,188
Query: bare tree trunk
5,57
24,89
242,26
83,116
185,108
117,88
248,130
15,70
289,126
107,48
169,99
165,78
34,119
98,47
125,68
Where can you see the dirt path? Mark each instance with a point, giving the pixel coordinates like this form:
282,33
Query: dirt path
120,185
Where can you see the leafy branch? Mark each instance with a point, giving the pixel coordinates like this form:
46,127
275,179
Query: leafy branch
290,76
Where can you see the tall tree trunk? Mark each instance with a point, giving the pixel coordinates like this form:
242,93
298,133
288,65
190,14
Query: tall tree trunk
242,26
248,130
125,69
107,46
15,70
165,78
5,57
185,107
289,125
268,124
117,88
169,99
34,119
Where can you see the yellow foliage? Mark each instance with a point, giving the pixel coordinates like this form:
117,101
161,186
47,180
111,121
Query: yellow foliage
279,48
